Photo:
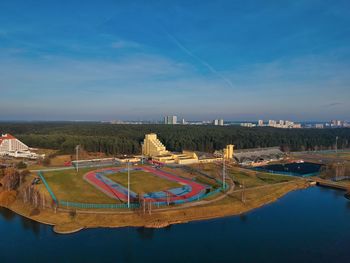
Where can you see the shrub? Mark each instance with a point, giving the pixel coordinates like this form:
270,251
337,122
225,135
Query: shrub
7,197
72,214
21,165
34,212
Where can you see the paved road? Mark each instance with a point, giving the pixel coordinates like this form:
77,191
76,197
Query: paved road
52,169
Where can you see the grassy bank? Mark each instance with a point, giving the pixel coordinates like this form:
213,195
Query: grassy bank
67,221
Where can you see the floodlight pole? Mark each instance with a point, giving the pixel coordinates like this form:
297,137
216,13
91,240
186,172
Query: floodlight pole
77,157
223,172
142,153
336,144
128,184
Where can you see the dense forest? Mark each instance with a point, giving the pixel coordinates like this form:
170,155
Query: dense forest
120,138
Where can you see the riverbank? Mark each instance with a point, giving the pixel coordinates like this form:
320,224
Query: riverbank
65,221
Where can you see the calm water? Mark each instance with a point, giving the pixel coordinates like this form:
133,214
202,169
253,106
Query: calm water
311,225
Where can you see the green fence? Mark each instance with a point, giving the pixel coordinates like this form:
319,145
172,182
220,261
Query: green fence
285,173
40,174
67,204
96,206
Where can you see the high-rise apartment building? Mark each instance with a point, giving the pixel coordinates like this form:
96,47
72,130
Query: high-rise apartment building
219,122
170,119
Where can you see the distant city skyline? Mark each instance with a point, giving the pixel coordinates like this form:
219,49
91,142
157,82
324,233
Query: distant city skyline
244,60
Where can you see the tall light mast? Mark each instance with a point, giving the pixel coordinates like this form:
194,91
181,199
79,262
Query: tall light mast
128,184
142,153
223,172
77,157
336,144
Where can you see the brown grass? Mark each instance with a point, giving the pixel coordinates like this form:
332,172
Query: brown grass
231,205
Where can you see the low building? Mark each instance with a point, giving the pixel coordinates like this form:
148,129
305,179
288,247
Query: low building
258,155
248,124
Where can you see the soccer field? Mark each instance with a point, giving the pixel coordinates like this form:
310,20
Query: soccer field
69,186
143,182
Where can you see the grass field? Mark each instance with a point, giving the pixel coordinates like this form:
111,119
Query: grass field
258,178
69,186
244,176
143,182
317,156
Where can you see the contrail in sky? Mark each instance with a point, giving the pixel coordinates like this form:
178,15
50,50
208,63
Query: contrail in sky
204,63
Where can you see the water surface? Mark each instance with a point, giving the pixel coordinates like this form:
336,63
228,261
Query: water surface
311,225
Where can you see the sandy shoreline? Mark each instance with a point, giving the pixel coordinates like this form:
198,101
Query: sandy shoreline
65,223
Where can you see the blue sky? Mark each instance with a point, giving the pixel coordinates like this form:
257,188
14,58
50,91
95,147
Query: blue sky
240,60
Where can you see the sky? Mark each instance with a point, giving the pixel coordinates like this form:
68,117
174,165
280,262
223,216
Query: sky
199,60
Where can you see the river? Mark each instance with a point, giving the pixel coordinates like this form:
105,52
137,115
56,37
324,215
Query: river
311,225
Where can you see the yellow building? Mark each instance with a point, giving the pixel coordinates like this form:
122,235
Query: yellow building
228,151
153,148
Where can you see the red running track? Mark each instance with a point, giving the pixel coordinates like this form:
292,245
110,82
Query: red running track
92,179
196,188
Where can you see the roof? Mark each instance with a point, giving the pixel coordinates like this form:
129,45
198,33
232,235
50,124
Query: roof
6,137
204,155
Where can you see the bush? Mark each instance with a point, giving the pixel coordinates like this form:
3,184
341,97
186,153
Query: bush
47,161
7,197
34,212
25,173
21,165
72,214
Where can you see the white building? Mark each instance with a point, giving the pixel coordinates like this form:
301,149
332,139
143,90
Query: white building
260,122
11,146
248,124
218,122
272,123
8,143
170,119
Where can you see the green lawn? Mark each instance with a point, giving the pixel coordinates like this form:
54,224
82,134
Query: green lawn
253,179
69,186
143,182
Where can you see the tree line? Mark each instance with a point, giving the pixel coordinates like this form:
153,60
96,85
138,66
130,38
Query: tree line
126,139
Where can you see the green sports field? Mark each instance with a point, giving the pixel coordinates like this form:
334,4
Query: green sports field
69,186
143,182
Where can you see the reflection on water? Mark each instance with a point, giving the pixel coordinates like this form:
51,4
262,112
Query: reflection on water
313,223
145,233
27,224
31,225
348,205
243,218
6,214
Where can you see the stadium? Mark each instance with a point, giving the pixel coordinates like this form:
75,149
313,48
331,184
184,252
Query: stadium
185,191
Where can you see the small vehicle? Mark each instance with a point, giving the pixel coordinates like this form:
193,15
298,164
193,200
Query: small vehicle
36,180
